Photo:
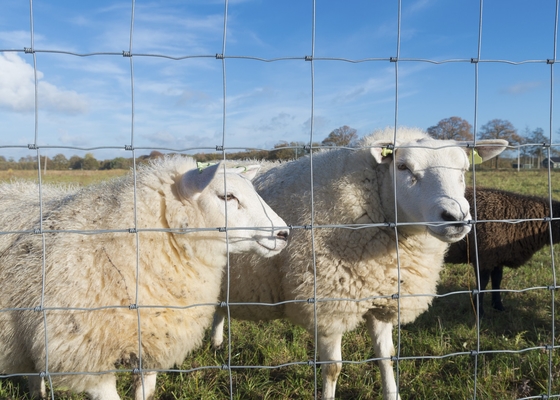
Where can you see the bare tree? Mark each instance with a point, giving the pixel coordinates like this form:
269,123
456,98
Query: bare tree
343,136
453,128
539,151
500,129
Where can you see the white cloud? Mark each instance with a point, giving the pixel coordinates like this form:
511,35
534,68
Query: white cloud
17,89
521,88
419,5
17,39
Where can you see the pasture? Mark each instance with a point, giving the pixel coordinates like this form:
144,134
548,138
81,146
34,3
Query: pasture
444,354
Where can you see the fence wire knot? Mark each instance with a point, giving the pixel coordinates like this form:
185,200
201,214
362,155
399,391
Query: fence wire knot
393,59
474,60
219,148
222,304
474,353
550,61
136,371
310,363
128,147
132,230
219,56
225,367
221,229
395,296
126,53
311,300
38,309
32,146
28,50
37,231
308,58
43,374
133,307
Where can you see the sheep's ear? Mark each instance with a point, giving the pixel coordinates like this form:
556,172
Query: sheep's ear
383,154
195,181
486,149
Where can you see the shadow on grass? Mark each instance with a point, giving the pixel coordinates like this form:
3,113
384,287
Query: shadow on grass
525,313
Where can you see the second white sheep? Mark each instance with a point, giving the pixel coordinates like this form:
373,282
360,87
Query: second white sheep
358,271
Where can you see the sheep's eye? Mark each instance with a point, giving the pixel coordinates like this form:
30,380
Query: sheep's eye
402,167
227,197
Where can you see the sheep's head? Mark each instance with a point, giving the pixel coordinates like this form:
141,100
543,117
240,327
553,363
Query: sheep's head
217,194
430,183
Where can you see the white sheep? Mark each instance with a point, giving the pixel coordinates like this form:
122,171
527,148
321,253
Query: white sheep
96,305
358,264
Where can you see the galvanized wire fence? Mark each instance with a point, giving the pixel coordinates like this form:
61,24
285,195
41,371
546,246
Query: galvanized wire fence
476,61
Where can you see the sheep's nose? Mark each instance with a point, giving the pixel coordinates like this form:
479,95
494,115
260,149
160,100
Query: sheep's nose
447,216
450,217
283,235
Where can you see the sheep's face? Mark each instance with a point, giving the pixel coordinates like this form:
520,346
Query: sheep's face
430,184
219,196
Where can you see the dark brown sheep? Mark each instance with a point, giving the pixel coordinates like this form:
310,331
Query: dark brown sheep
503,243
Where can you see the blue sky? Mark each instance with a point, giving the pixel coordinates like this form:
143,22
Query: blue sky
86,101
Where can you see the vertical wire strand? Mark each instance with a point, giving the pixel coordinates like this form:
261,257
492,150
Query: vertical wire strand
41,308
552,258
224,114
475,354
135,198
398,51
314,259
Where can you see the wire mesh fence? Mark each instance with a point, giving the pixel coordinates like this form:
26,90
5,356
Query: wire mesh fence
467,351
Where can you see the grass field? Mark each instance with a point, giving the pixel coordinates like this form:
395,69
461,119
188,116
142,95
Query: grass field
76,177
512,362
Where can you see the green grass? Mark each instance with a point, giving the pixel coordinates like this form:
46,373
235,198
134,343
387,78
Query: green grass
77,177
448,327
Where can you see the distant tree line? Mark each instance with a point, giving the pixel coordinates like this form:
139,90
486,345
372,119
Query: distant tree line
343,136
454,128
60,162
532,144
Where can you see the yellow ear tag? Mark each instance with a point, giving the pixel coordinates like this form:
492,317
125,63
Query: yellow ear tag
203,165
385,151
477,158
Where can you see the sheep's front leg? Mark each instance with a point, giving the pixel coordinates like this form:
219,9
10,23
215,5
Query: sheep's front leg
218,329
330,349
484,279
497,274
37,387
104,387
146,391
382,335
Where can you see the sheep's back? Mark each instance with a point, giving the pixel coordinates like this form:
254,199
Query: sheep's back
502,243
348,188
89,268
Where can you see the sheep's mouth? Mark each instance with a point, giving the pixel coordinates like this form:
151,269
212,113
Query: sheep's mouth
450,233
272,243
